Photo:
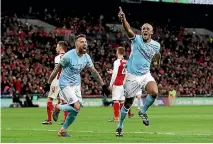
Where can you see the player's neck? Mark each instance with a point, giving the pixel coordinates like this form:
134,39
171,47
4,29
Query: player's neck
147,41
78,53
120,57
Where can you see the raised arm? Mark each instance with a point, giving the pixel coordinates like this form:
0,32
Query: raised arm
125,24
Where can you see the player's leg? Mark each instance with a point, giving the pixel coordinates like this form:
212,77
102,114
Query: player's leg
116,92
139,97
131,87
53,94
130,114
121,101
61,100
49,109
73,97
124,110
65,112
152,90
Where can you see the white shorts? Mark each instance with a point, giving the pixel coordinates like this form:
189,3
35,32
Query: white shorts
133,84
72,94
118,93
54,89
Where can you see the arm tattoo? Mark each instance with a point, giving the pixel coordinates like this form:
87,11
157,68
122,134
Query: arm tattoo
96,76
54,73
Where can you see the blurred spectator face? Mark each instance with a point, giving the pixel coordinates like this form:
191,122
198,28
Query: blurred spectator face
146,31
81,45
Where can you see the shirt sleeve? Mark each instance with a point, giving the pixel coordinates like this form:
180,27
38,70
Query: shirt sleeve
89,61
134,41
65,60
115,72
158,50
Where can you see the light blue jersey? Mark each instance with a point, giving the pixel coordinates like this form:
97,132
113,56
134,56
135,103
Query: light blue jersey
141,55
72,65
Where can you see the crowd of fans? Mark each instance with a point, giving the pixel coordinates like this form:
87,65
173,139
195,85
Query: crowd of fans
27,56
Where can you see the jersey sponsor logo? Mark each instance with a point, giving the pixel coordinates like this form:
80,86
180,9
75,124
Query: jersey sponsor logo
76,68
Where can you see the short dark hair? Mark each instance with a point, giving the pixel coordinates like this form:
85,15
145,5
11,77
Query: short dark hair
79,36
121,50
63,44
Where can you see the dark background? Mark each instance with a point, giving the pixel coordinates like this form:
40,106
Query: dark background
187,15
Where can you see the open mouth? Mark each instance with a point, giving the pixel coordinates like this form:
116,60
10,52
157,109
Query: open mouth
145,34
84,48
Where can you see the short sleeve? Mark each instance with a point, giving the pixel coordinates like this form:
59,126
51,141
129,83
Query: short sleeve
158,49
134,40
65,60
89,62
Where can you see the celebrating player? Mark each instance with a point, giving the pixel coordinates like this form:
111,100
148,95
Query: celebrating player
54,89
138,76
116,84
72,63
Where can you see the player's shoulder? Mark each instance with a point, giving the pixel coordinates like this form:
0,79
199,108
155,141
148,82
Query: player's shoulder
137,37
57,57
117,61
155,44
70,52
87,56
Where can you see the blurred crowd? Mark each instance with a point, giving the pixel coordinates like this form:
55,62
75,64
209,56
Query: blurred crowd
27,55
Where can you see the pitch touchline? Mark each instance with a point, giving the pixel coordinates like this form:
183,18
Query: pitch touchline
159,133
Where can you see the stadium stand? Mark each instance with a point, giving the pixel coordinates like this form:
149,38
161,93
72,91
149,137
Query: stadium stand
27,53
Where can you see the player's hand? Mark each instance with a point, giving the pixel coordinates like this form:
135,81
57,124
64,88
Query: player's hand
110,88
121,14
110,71
105,91
46,88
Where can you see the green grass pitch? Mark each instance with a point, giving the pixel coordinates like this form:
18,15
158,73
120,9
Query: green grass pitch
168,124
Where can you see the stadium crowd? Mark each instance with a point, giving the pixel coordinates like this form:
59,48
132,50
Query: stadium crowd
27,56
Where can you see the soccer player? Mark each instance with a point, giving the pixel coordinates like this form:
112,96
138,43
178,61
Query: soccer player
54,88
116,83
143,50
72,64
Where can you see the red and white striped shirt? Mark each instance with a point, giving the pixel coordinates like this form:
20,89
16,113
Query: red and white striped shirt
119,73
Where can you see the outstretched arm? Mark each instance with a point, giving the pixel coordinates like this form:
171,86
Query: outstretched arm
125,24
96,75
